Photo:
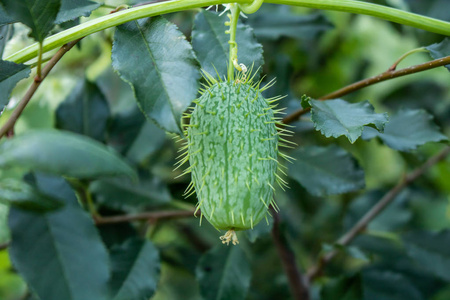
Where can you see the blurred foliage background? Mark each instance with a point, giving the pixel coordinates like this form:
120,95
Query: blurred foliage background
308,52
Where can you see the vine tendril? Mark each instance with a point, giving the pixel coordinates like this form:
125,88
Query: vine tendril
252,7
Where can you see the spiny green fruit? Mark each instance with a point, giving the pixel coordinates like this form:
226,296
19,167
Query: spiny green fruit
232,147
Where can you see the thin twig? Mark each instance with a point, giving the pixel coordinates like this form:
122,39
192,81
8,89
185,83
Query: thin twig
389,74
34,86
155,215
361,225
296,283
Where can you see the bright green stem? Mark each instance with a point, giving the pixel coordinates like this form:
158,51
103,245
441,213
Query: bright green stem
111,20
235,11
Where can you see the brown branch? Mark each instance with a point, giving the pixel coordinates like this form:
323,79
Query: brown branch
296,283
8,126
4,245
361,225
389,74
154,215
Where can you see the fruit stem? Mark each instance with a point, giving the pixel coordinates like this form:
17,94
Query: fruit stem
232,63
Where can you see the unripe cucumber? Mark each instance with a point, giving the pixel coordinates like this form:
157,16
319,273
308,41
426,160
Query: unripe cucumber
232,148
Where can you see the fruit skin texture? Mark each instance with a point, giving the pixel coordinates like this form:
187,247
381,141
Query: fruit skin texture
232,150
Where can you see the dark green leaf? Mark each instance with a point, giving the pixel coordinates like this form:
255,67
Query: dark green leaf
6,33
72,9
149,140
84,111
210,43
60,253
408,129
135,270
10,75
4,17
388,285
162,69
38,15
22,195
62,153
338,117
224,273
124,129
120,194
431,251
325,171
343,288
440,50
272,22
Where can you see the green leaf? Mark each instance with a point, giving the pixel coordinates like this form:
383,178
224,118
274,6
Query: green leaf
135,270
153,56
440,50
6,33
272,22
149,140
223,273
72,9
59,254
4,17
407,130
210,43
338,117
20,194
38,15
343,288
388,285
120,194
84,111
431,251
62,153
326,170
10,75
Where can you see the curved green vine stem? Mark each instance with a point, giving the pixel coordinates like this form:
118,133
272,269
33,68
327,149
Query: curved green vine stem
252,7
375,10
234,17
112,20
417,50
